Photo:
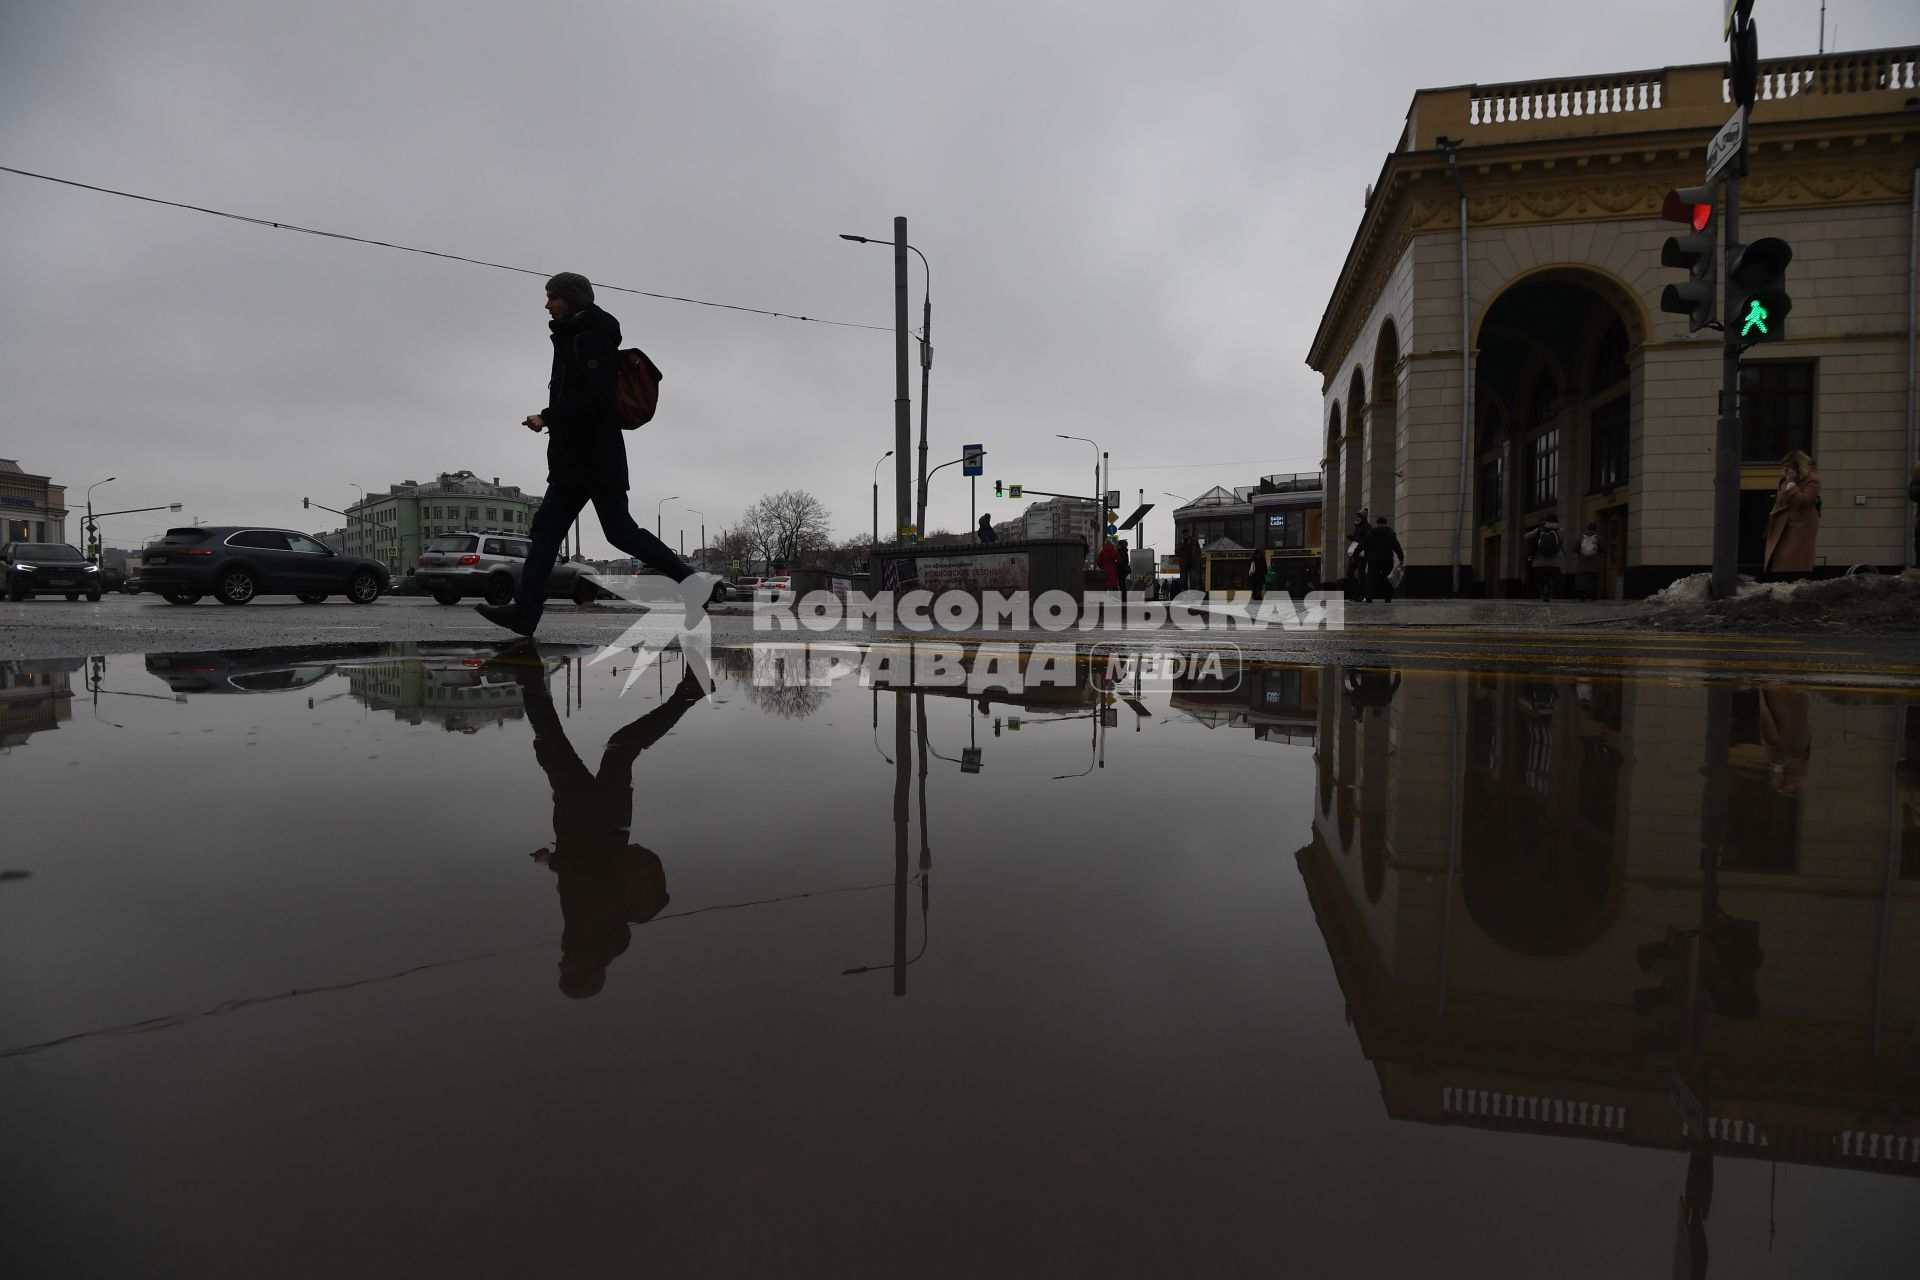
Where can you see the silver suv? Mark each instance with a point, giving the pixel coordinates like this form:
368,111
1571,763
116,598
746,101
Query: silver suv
456,566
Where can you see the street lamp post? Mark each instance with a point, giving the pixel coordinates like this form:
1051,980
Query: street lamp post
1098,496
926,359
875,546
672,497
92,556
703,536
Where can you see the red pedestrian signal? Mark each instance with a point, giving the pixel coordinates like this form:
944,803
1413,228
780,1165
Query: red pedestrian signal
1692,251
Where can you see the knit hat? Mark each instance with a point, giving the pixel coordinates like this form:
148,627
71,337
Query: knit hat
571,287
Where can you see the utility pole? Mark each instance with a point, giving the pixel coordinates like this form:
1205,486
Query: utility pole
902,406
926,368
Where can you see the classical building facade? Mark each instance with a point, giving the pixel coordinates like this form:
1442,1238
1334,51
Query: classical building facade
1491,853
32,508
1581,397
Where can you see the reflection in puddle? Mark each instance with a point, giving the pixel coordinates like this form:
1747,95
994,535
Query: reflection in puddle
1626,940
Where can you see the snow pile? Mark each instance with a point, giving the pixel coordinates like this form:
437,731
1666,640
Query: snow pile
1865,602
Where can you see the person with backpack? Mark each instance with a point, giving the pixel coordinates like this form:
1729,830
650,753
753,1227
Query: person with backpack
1544,549
587,453
986,530
1380,551
1586,577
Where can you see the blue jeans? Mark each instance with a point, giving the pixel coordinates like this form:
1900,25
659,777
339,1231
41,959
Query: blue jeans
558,509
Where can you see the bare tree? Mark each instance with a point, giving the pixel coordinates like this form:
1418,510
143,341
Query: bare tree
736,546
783,525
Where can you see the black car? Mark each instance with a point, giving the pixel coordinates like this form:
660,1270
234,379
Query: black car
235,563
29,569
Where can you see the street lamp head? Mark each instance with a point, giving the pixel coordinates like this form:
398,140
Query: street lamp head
855,239
173,506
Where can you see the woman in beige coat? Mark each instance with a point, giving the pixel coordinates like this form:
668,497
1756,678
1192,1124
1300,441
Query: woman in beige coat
1793,526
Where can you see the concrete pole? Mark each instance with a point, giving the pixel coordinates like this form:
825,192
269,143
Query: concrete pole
902,405
1726,457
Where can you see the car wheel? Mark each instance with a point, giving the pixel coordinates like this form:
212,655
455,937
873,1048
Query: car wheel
16,593
447,597
235,586
584,592
499,589
363,587
311,597
93,597
181,597
718,595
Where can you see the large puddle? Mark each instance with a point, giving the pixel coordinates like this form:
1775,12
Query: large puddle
396,959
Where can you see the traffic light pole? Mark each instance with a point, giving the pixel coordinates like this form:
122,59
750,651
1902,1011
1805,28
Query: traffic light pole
1726,461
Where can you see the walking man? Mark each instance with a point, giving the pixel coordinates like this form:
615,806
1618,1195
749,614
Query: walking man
1543,555
586,458
1382,554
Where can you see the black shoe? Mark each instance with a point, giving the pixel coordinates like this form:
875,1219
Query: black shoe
510,616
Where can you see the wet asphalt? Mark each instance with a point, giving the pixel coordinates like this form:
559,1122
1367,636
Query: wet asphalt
1567,641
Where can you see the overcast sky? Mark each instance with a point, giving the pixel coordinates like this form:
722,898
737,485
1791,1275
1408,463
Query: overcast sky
1134,213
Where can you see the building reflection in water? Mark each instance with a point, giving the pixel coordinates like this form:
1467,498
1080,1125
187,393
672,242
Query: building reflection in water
1637,912
36,695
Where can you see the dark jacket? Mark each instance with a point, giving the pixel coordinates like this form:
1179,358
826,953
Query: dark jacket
1381,548
584,441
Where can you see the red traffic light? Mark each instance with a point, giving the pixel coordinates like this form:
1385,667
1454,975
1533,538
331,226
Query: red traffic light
1691,205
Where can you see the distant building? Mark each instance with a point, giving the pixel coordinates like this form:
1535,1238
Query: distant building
1064,518
395,526
32,508
1279,516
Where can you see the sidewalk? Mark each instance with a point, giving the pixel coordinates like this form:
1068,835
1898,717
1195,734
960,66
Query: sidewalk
1492,615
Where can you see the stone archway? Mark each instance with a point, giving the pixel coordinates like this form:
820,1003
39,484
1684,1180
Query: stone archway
1553,356
1383,425
1333,521
1352,490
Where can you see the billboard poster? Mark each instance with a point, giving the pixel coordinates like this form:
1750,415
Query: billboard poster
1002,571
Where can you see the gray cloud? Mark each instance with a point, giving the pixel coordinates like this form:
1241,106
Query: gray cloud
1134,215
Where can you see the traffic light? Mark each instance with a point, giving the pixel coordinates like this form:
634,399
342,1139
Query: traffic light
999,489
1759,272
1661,1042
1729,965
304,503
1694,251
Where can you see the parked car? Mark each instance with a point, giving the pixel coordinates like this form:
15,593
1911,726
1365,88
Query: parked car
29,569
460,566
266,670
777,587
235,563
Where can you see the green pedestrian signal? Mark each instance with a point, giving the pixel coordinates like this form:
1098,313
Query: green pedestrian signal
1756,318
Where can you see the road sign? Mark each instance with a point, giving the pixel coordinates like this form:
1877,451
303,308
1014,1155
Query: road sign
970,759
1013,490
1726,144
975,455
1113,497
908,531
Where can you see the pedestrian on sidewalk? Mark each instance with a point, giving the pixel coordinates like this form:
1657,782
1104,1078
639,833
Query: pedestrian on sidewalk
1913,496
1257,575
1187,552
1112,564
1544,551
1586,576
1381,551
586,458
1793,526
987,534
1357,556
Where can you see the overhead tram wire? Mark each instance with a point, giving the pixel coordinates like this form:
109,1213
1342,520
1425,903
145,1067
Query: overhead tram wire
431,253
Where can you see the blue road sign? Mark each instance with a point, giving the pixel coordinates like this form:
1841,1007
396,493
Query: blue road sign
975,456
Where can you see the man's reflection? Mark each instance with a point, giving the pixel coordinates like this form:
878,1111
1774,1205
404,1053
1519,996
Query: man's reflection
607,883
1371,687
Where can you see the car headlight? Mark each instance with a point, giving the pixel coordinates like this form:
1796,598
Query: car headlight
93,568
23,568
